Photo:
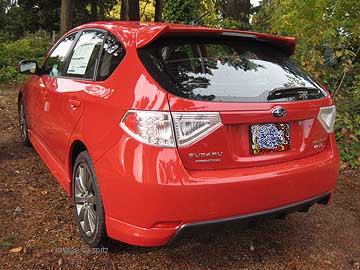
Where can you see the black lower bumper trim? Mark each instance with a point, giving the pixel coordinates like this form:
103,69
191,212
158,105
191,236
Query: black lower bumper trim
280,212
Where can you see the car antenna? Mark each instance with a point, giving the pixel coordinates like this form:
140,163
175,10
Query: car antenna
195,22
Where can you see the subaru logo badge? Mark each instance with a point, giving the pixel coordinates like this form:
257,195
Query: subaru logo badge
279,112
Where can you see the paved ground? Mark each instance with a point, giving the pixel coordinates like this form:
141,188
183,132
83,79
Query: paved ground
36,215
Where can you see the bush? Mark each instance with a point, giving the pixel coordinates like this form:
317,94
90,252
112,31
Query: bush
31,47
347,128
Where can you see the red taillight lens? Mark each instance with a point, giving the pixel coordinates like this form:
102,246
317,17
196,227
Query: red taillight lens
156,128
149,127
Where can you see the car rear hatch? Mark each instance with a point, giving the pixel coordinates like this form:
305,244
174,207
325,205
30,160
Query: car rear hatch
237,100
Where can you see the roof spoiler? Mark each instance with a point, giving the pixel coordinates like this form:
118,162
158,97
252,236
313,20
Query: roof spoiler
143,38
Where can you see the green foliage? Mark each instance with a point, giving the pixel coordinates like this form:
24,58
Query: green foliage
23,16
32,47
211,11
28,16
181,11
325,27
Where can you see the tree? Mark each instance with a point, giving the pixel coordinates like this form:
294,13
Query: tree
124,10
130,10
158,10
66,15
94,10
86,11
181,11
229,14
134,10
237,10
18,17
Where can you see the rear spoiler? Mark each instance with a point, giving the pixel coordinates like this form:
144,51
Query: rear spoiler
149,34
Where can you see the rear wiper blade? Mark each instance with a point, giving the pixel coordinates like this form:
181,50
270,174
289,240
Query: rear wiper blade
298,92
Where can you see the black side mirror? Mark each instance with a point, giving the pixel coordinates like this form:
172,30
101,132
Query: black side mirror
28,67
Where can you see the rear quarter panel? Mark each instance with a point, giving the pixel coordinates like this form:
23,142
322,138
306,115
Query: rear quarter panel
129,87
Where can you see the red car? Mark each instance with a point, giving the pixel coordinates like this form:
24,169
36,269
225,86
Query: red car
155,129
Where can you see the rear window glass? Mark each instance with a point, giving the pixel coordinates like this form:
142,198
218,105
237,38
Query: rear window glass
227,70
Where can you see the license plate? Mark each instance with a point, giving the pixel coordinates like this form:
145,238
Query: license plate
270,137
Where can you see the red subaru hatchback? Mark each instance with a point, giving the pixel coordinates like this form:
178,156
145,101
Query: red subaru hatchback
156,128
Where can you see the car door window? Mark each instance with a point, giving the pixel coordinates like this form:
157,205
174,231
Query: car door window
111,56
56,62
85,54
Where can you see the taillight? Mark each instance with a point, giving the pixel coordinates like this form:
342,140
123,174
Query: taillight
326,117
156,128
192,126
149,127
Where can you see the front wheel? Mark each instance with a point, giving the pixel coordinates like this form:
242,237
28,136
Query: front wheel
24,136
88,206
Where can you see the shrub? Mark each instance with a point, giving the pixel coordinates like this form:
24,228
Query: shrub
31,47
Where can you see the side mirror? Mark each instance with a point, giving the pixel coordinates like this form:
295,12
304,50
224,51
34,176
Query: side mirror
28,67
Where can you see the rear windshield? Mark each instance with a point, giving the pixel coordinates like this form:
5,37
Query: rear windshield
227,70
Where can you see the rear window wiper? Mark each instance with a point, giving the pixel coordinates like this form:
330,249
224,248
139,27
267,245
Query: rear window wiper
295,92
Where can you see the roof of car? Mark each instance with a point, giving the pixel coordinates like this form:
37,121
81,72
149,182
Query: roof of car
146,32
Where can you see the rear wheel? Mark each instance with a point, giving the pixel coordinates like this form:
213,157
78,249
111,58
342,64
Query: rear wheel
88,206
24,136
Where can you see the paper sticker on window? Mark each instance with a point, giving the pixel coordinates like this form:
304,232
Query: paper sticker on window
80,59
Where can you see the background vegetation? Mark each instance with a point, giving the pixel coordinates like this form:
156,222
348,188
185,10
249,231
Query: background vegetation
328,33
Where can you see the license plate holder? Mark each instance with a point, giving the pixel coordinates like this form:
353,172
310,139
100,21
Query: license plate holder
269,138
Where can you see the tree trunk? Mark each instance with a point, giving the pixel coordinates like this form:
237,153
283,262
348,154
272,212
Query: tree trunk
158,10
238,10
93,7
134,10
66,15
101,14
124,12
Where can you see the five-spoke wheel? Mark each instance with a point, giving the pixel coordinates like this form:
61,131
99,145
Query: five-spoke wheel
23,123
88,206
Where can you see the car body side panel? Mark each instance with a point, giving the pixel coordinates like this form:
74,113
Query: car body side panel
34,98
128,88
65,105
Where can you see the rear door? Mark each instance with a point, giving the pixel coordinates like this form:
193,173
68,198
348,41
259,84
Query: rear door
67,88
242,102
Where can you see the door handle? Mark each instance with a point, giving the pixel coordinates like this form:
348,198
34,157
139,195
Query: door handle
74,103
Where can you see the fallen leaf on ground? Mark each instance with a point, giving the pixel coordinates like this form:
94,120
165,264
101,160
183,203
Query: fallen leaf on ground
16,249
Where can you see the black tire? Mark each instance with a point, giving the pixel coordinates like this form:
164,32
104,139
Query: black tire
24,135
93,236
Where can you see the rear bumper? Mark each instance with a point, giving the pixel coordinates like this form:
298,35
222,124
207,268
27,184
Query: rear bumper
149,186
273,213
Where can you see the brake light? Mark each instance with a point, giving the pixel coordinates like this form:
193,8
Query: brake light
191,127
149,127
326,117
157,129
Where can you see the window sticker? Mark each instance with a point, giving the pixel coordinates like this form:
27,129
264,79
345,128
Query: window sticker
80,59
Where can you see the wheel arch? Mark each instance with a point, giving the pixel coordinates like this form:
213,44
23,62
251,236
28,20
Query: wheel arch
76,148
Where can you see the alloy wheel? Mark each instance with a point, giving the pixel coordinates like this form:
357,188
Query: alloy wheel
22,122
85,199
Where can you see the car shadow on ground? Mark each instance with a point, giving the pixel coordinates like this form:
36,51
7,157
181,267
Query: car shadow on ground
247,237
